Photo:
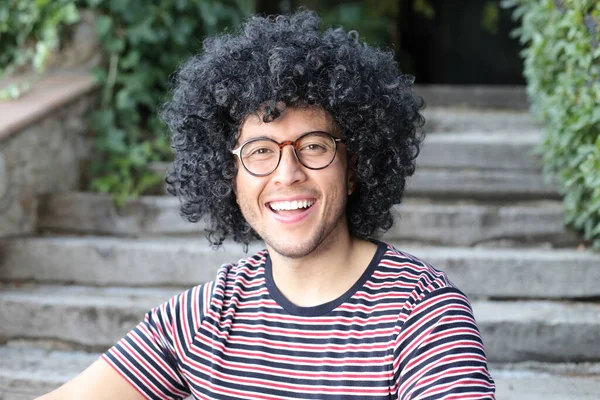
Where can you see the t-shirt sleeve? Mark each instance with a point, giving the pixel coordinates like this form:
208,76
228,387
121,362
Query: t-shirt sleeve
439,353
148,357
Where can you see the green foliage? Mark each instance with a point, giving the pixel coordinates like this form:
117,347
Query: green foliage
424,8
562,67
144,42
29,31
375,20
490,17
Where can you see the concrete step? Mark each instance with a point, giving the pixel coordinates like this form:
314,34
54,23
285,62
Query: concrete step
504,150
479,184
84,317
94,318
28,372
510,97
448,223
464,223
548,331
461,119
545,381
93,213
106,261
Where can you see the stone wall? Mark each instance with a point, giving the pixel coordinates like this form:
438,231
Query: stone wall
42,157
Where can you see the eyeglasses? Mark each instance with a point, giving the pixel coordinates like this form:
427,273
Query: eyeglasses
261,156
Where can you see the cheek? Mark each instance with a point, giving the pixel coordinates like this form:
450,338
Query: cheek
336,182
247,188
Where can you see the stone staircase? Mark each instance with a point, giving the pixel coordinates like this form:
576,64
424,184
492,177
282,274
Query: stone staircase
477,208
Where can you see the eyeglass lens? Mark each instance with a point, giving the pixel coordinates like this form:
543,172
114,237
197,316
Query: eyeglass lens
315,151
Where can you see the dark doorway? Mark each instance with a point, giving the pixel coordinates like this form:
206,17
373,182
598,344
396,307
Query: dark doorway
457,47
461,42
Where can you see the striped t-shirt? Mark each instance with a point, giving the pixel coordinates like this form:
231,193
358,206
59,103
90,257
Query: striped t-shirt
403,331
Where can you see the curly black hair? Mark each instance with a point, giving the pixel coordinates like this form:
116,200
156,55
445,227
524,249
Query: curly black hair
290,61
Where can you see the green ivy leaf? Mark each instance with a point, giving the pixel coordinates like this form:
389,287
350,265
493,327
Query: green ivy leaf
561,68
114,44
130,60
104,25
115,141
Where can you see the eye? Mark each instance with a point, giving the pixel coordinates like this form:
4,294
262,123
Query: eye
261,151
313,148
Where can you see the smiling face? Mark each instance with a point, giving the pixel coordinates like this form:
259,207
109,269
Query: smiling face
295,210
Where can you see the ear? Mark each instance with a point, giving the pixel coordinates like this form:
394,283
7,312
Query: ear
351,182
352,178
351,185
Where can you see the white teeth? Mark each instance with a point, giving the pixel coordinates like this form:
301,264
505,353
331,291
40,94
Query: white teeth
291,205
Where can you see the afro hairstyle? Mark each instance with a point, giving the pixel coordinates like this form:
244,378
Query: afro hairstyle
288,60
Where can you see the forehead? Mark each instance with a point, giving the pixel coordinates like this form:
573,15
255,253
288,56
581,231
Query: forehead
292,122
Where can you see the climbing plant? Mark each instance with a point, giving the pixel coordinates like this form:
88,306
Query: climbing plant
561,41
144,42
29,32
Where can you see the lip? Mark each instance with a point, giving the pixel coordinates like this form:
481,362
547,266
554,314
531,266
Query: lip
292,219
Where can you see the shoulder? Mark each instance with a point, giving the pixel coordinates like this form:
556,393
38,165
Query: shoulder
195,302
411,270
424,288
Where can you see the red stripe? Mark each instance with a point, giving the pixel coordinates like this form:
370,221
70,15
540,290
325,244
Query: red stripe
278,358
321,348
238,366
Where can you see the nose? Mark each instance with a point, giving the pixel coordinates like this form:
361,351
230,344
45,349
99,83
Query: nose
289,171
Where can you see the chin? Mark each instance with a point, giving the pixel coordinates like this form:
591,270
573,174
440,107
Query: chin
299,246
293,249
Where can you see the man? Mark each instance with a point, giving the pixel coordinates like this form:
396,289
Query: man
303,139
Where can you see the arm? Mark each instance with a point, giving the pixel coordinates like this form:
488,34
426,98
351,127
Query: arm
98,382
439,352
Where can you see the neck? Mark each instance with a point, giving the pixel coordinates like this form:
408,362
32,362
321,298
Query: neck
324,274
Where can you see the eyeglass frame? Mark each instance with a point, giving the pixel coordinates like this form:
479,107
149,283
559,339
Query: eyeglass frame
281,145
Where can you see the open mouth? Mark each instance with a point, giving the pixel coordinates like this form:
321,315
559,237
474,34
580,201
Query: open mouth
291,207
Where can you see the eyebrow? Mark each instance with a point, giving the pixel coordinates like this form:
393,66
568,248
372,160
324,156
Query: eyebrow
303,133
